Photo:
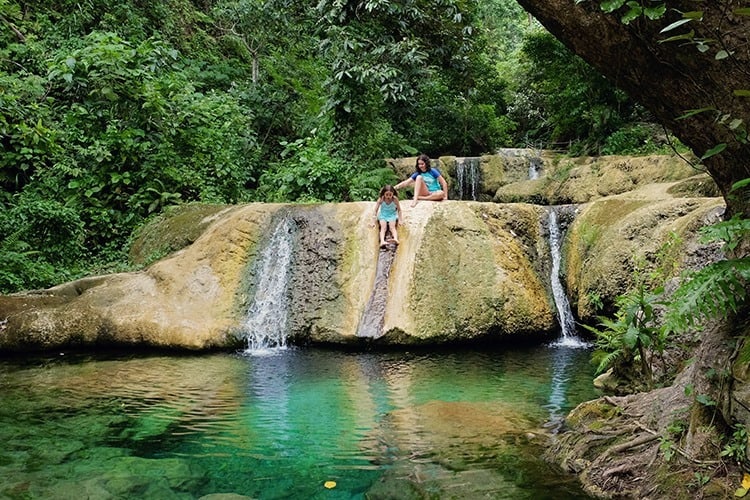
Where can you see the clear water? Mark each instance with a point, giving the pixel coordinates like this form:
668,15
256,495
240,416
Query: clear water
463,424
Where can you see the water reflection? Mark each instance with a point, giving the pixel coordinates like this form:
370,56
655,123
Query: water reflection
561,368
278,426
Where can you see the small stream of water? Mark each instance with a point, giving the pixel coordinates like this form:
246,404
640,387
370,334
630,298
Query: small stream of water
568,335
468,178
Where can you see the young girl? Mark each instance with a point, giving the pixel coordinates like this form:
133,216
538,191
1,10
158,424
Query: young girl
429,183
388,212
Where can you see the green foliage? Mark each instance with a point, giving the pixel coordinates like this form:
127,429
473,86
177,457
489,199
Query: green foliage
638,139
636,329
668,448
116,111
560,102
633,330
307,172
736,447
39,233
430,87
20,267
365,184
717,288
27,139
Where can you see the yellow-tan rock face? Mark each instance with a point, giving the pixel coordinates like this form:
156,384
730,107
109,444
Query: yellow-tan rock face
464,270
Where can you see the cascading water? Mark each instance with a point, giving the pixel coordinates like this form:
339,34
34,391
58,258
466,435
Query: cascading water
535,165
266,323
467,178
564,313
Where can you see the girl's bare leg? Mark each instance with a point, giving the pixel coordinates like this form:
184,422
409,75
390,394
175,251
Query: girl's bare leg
420,190
394,235
434,196
383,225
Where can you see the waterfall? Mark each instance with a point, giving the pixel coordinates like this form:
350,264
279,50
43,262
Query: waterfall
535,165
564,313
267,316
467,178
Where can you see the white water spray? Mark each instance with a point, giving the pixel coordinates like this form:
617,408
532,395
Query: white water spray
564,313
535,165
267,317
467,178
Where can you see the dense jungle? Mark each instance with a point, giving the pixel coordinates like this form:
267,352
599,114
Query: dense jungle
112,114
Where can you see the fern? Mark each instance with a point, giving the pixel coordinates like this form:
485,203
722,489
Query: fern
718,287
731,232
709,293
608,360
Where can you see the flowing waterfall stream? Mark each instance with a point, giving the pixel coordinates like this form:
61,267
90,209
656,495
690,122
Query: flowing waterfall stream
467,178
535,166
267,317
564,313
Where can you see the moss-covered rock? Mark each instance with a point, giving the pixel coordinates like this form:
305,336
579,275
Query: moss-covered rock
176,228
464,270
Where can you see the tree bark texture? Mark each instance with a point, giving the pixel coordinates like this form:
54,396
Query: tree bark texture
672,78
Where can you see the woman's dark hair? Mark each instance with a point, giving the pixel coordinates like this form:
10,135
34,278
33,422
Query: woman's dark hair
388,188
426,160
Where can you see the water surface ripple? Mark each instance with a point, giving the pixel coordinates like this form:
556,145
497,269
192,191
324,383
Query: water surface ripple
462,424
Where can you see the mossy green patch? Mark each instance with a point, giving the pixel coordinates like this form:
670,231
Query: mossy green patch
173,229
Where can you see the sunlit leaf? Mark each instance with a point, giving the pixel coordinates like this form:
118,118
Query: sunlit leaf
655,13
705,400
612,5
722,54
740,492
633,13
330,484
743,11
687,36
675,24
746,481
714,150
692,112
742,93
693,14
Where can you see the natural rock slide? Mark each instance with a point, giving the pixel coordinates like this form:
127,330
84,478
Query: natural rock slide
464,270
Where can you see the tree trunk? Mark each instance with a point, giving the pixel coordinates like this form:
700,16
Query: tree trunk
672,78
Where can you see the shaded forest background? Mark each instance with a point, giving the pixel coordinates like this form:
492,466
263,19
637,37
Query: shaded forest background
111,112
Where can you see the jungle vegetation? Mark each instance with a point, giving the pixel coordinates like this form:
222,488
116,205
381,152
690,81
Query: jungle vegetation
111,112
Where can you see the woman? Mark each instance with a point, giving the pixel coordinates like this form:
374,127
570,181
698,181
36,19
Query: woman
429,183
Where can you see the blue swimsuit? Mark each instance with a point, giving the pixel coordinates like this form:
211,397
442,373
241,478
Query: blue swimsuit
430,178
388,212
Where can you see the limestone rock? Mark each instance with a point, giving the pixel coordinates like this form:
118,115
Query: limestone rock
463,271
